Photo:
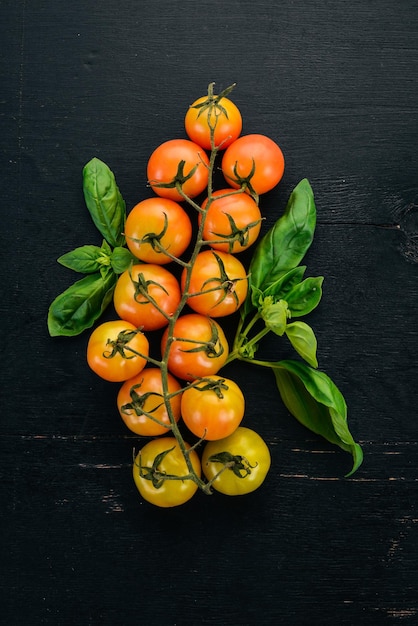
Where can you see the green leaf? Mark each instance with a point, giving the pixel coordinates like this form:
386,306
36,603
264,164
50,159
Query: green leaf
303,339
79,306
104,201
316,402
280,288
285,244
84,259
305,296
121,259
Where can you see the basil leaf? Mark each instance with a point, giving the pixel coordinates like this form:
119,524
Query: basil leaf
303,339
121,259
305,296
280,288
316,402
79,306
84,259
285,244
104,201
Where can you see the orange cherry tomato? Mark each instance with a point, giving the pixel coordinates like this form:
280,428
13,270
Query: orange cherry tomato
158,229
213,408
141,403
217,112
232,222
117,350
199,348
221,281
146,295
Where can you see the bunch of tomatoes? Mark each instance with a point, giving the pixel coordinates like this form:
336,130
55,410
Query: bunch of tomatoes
186,277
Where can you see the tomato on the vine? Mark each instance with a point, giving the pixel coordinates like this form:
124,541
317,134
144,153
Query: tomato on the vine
142,406
117,350
219,113
146,295
213,408
156,463
178,162
255,161
157,229
219,281
232,221
245,457
199,347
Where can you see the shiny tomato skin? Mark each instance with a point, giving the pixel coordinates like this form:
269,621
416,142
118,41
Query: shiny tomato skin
247,444
134,307
192,331
123,365
152,217
226,117
144,393
171,492
213,414
223,297
163,168
258,151
244,212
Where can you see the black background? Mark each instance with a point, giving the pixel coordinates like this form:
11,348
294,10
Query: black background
335,84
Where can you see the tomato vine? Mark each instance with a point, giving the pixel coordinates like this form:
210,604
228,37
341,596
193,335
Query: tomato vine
276,296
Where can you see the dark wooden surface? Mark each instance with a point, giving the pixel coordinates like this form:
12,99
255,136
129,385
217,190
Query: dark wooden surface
335,83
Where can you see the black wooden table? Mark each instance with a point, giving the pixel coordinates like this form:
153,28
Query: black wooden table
335,84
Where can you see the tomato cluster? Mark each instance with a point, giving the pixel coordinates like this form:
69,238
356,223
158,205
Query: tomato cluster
184,289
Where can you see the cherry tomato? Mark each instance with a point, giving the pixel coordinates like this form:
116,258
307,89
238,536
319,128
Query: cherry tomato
152,462
249,459
222,278
117,350
213,408
232,222
217,112
178,160
146,295
143,394
199,348
157,229
255,160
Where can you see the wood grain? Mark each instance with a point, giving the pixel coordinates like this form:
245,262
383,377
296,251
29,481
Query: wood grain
335,84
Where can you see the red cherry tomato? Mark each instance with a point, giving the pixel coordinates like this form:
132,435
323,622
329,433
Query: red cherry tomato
255,160
181,160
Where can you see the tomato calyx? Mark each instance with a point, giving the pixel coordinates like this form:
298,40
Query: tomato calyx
244,182
138,402
240,235
209,384
225,283
154,239
156,475
237,463
142,289
120,345
212,102
213,348
179,179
